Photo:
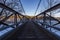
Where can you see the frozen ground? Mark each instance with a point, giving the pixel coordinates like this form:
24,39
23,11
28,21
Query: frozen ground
5,31
57,32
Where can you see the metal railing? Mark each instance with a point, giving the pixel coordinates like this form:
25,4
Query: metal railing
21,17
48,21
12,21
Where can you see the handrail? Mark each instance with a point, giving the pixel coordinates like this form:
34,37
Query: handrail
3,23
50,26
54,18
50,9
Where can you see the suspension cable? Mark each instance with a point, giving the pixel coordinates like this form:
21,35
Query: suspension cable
22,7
37,7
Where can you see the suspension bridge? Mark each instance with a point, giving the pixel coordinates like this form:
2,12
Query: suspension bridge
16,26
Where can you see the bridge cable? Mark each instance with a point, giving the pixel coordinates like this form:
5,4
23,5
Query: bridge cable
22,7
37,7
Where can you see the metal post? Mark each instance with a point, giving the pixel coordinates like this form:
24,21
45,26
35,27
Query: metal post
15,19
44,19
50,21
50,14
36,18
22,19
19,18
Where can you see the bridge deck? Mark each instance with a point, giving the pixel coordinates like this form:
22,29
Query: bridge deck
31,31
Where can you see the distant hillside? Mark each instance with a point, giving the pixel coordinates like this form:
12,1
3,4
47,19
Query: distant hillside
29,17
57,18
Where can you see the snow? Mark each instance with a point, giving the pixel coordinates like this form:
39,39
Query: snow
57,32
5,31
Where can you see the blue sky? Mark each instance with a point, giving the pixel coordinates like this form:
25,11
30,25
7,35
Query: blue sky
31,5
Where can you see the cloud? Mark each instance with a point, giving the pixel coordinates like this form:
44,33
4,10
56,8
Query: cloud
57,15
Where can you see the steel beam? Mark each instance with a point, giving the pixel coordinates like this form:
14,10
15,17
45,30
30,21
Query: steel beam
10,9
51,9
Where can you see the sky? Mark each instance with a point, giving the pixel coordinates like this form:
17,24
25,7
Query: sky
31,5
